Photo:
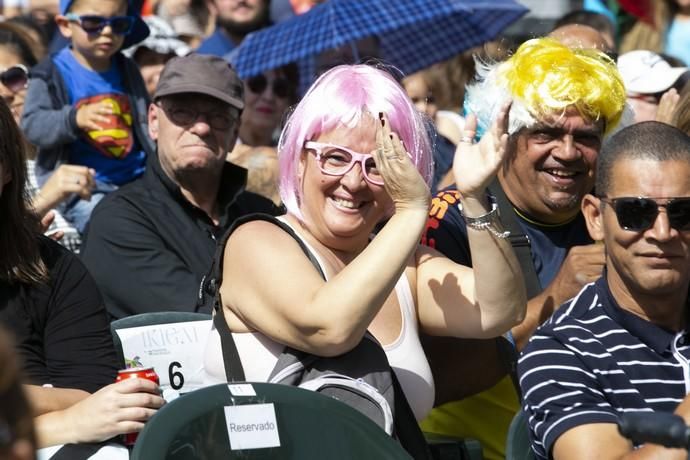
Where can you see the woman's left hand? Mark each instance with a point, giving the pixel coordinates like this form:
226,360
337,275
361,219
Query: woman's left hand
402,180
475,165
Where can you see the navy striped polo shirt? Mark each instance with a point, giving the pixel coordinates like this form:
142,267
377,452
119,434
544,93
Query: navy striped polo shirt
592,360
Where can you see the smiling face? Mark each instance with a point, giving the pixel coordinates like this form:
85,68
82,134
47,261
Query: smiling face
552,166
94,50
185,149
651,263
341,212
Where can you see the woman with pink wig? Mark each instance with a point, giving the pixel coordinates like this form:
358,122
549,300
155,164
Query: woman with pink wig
354,156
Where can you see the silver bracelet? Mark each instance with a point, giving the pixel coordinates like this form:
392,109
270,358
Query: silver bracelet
490,221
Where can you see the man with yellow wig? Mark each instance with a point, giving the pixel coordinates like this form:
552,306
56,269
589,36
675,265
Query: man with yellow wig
565,102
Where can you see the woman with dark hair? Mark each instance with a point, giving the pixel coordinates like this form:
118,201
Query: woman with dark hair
16,57
52,306
267,97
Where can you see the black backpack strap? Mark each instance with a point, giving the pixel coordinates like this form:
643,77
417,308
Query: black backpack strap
522,247
407,430
518,240
210,293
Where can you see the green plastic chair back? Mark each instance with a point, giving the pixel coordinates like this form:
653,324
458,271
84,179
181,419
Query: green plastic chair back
310,426
148,319
518,445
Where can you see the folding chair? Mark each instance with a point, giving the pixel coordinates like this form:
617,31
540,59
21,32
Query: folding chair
307,425
518,446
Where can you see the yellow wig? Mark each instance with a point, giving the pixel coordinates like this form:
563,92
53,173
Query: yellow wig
544,78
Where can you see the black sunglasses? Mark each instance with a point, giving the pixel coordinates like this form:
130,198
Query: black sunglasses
16,78
639,213
92,24
280,87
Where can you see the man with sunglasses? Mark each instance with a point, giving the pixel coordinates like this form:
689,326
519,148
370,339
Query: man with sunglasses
621,345
85,104
150,243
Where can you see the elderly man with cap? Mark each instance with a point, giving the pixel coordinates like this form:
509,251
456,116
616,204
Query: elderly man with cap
150,243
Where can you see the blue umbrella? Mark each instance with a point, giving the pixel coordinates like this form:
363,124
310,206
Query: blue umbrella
412,34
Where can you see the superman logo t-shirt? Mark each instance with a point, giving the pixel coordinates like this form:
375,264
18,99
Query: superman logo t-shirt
113,151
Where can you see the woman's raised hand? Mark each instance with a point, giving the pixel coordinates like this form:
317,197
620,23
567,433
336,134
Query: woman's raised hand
402,181
475,165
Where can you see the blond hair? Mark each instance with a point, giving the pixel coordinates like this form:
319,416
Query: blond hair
544,78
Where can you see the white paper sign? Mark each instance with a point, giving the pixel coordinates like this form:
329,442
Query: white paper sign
241,389
252,426
174,350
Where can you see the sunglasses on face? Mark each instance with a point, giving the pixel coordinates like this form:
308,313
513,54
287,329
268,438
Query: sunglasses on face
120,25
259,83
336,160
186,116
638,214
16,78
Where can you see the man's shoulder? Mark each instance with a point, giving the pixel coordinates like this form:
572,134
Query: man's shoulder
577,315
135,196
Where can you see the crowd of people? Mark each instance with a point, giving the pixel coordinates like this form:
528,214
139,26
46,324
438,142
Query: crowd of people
510,226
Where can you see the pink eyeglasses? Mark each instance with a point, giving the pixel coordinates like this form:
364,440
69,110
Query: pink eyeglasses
336,160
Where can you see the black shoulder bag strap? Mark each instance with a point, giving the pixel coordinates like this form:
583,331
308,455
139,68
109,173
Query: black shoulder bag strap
518,240
407,430
233,366
522,247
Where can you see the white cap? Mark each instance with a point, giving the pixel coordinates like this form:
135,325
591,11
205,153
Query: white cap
163,39
645,72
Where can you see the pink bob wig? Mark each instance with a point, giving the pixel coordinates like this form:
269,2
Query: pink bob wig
343,96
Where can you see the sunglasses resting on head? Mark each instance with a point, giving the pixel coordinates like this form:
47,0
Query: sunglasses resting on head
92,24
638,214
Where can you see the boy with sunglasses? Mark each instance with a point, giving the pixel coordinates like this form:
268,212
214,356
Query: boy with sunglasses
86,105
621,345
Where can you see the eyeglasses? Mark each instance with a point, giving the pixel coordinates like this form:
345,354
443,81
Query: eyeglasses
280,86
637,214
185,116
120,25
336,160
16,78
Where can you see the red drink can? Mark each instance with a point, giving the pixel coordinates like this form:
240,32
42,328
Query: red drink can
147,373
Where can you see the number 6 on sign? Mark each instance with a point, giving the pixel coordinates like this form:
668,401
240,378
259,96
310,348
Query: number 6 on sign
174,350
176,378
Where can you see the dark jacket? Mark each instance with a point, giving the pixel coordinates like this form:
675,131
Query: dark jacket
148,247
49,121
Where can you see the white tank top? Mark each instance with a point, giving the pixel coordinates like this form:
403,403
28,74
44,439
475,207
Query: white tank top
259,354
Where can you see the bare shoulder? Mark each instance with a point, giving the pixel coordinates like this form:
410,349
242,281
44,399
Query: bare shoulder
259,238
